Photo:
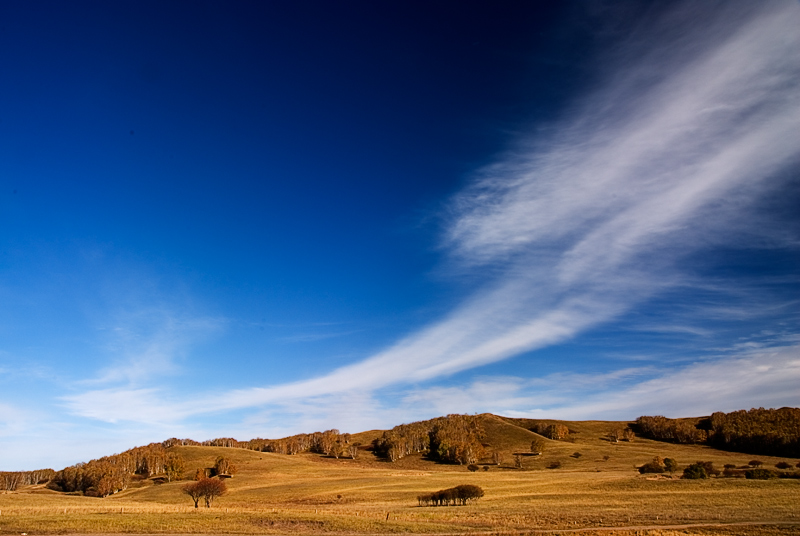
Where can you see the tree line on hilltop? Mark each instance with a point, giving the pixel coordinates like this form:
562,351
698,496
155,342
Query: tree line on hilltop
451,439
770,432
330,443
112,474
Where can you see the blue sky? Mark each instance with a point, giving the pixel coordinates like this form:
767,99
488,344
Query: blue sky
257,219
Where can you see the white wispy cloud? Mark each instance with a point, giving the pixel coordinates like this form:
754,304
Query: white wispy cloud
760,378
581,223
150,342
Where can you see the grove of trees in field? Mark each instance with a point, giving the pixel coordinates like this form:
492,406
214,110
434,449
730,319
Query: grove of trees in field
773,432
459,495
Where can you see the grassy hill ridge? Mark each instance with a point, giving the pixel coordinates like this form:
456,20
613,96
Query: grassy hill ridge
314,493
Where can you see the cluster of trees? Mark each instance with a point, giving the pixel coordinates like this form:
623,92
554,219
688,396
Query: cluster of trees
457,439
621,434
672,430
223,467
774,432
403,440
551,430
450,439
330,443
11,480
111,474
459,495
205,488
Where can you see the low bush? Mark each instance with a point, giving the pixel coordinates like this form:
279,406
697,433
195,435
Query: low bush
554,465
670,465
732,472
472,467
651,467
759,474
695,471
783,465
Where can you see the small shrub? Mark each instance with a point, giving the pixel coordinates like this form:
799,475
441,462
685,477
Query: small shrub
652,467
731,471
783,465
576,455
759,474
485,467
670,465
695,471
472,467
554,465
606,457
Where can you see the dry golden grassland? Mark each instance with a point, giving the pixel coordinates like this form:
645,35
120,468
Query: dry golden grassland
308,493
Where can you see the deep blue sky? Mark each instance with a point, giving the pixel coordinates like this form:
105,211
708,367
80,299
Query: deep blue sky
257,219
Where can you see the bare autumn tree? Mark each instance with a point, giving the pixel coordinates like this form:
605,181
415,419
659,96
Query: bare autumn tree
211,488
538,445
193,490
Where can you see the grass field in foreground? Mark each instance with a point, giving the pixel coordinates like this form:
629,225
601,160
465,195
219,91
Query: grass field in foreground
307,493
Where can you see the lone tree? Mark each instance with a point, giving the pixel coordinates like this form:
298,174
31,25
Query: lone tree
212,488
538,445
193,491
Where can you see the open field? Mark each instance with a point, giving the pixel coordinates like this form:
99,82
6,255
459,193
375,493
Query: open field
309,493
